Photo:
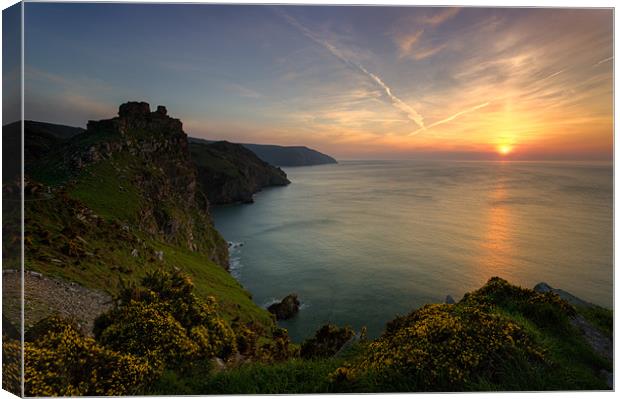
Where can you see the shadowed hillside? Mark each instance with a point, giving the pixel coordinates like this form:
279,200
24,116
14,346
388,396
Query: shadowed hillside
283,155
230,173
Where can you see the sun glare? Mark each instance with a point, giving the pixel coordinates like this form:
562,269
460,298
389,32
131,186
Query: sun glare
504,149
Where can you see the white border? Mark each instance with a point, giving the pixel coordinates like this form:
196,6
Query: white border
471,3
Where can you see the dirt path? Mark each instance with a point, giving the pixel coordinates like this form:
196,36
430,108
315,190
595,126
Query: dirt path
45,296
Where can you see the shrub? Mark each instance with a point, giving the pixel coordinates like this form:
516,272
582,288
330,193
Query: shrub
544,309
326,341
11,365
147,329
63,362
441,347
279,348
165,321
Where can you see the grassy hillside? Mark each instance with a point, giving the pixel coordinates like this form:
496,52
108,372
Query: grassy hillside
119,200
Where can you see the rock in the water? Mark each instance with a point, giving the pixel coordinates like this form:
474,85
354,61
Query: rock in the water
450,300
287,308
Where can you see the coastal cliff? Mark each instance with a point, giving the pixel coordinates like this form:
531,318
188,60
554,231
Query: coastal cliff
230,173
117,201
280,155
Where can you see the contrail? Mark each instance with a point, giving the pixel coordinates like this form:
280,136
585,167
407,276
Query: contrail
399,104
451,118
603,61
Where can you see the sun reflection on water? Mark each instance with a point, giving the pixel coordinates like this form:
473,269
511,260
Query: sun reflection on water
496,246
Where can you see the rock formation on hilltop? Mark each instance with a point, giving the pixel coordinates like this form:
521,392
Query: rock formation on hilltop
141,161
229,173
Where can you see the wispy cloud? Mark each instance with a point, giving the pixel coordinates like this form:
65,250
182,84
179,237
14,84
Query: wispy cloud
399,104
411,31
407,42
428,52
243,91
440,17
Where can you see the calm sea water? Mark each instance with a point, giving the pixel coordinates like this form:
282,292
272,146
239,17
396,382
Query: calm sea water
363,241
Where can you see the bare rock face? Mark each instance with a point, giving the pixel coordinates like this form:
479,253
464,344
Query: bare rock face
287,308
134,109
161,110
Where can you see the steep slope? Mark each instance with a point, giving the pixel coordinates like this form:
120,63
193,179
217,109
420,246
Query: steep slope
230,173
121,199
282,155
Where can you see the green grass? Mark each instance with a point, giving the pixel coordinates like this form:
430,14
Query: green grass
211,279
107,247
108,189
599,317
292,376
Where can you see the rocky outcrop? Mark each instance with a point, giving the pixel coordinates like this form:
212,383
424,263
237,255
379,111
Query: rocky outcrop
146,155
230,173
287,308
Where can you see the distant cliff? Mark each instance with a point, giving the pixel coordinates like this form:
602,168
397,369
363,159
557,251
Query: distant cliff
282,155
229,173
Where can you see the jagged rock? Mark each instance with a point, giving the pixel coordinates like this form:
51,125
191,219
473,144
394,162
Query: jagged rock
450,300
134,109
287,308
161,110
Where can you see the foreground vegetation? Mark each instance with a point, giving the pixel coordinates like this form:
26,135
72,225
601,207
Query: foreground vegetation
160,338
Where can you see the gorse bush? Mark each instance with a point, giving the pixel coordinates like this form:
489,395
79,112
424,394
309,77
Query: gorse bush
278,349
441,347
165,321
11,365
62,362
546,310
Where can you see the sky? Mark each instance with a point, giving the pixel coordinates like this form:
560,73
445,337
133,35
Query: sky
353,82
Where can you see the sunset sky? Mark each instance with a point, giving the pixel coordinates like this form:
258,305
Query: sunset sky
354,82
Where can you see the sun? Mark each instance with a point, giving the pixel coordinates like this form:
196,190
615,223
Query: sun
504,149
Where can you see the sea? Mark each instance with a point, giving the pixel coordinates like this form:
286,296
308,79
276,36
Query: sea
361,242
